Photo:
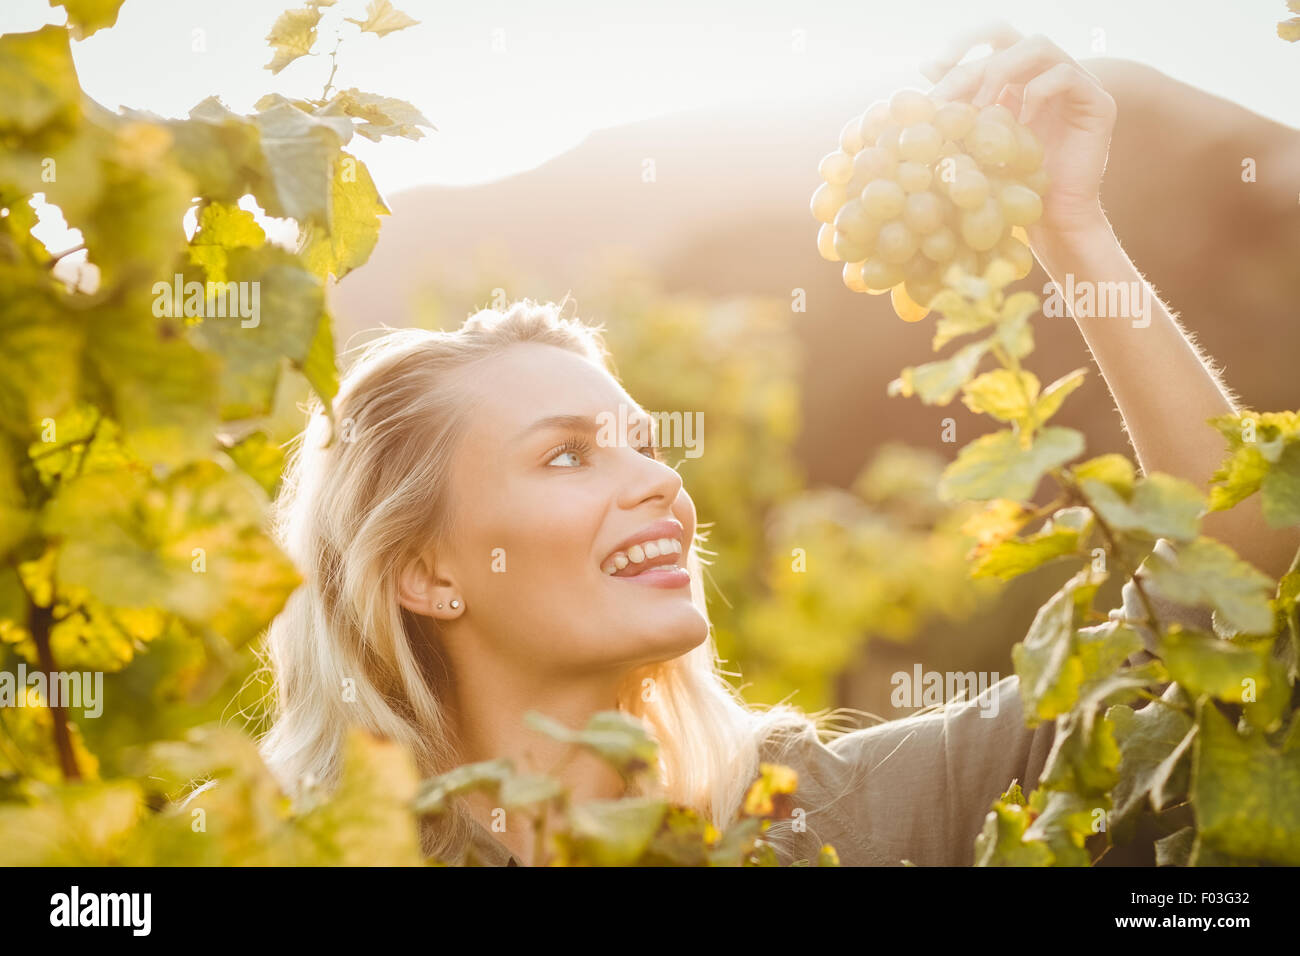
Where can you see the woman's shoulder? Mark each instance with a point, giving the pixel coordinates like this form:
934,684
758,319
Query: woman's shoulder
916,788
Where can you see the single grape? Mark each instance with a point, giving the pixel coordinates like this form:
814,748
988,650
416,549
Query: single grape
922,291
851,135
874,120
827,200
905,307
913,177
907,107
883,199
852,275
826,242
895,242
1021,206
982,228
954,120
949,167
918,268
920,143
875,163
888,138
998,113
923,212
1018,254
991,143
836,168
969,190
855,221
881,276
940,245
850,248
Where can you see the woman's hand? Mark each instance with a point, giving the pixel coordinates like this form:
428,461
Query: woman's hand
1060,101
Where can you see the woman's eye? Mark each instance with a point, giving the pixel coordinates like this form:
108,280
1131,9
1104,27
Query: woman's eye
565,454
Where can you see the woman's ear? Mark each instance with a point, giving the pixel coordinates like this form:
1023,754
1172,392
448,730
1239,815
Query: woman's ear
420,588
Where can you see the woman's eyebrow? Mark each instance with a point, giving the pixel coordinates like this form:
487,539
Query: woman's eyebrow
578,422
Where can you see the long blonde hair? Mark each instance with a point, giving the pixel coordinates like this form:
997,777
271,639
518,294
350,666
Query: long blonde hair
351,513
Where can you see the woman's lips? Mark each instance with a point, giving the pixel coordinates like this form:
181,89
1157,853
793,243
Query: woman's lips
666,576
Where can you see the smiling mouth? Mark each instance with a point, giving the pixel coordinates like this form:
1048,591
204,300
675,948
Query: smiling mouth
642,557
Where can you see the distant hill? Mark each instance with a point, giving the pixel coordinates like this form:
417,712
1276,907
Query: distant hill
727,213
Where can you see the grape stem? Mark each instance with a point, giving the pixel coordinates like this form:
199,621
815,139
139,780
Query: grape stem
1072,487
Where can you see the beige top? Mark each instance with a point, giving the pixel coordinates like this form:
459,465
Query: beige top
921,785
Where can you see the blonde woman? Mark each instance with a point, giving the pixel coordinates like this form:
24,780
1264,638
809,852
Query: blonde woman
473,550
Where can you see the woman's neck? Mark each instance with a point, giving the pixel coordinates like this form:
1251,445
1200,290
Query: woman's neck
489,725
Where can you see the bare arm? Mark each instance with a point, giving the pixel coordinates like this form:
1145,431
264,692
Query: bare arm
1162,384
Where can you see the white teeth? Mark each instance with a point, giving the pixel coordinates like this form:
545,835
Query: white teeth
639,553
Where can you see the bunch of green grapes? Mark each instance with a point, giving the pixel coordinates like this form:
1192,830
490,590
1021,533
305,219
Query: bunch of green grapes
918,186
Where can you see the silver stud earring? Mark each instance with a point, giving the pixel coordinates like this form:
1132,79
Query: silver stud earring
455,604
439,605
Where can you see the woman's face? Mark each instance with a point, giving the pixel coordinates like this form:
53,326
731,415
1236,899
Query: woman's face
547,505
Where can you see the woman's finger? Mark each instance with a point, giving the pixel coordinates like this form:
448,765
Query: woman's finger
982,80
996,33
1068,81
1019,64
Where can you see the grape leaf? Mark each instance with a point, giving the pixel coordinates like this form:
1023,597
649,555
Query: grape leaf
193,544
1209,572
292,36
1155,745
86,17
1002,840
163,389
38,82
221,228
356,209
85,824
300,151
1063,823
1114,471
936,383
382,19
289,305
611,832
1060,537
1244,791
260,458
382,115
1234,672
1160,505
1002,393
618,738
1050,673
996,466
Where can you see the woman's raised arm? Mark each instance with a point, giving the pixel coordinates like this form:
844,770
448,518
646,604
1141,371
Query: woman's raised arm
1163,385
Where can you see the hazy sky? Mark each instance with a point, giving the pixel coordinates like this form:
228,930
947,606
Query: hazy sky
510,84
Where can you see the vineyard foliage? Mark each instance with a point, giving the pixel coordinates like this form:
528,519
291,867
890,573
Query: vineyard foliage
139,372
139,369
